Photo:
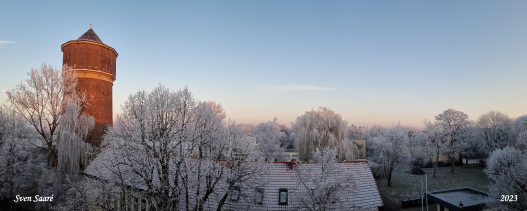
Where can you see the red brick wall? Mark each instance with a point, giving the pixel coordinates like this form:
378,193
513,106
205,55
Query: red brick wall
93,56
100,107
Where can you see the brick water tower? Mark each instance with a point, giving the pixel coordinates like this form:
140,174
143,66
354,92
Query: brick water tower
94,63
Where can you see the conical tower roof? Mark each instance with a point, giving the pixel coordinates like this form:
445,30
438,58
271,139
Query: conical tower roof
90,36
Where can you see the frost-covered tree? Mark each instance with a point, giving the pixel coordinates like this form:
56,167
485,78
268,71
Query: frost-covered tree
519,126
320,129
456,127
268,137
72,150
42,99
355,133
507,168
521,140
415,137
287,137
153,127
433,144
82,193
18,171
222,157
179,149
327,184
374,131
73,153
240,176
76,194
369,134
412,131
392,150
246,127
496,130
417,144
217,109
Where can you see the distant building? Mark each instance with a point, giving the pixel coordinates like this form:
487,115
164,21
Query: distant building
361,145
418,153
474,160
95,65
471,160
239,154
466,199
291,154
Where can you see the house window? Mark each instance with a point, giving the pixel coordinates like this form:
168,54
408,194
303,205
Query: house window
120,201
258,196
143,205
114,203
235,194
129,203
282,196
109,202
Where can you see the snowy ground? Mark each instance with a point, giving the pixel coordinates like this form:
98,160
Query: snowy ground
408,186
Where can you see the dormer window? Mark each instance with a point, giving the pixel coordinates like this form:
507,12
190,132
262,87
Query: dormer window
235,194
282,196
258,196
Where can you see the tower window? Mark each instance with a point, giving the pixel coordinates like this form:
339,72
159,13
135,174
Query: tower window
282,196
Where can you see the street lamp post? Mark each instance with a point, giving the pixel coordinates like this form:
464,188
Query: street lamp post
426,190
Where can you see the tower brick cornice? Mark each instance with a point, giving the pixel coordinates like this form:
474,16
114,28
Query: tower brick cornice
95,74
88,42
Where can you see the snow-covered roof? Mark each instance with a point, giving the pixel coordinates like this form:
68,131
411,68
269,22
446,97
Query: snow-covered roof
363,195
458,198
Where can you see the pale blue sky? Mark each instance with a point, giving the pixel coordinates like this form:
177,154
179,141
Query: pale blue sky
374,62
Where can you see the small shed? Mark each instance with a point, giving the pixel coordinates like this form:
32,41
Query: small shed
473,160
466,199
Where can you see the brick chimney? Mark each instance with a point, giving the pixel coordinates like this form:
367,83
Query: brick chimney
292,164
